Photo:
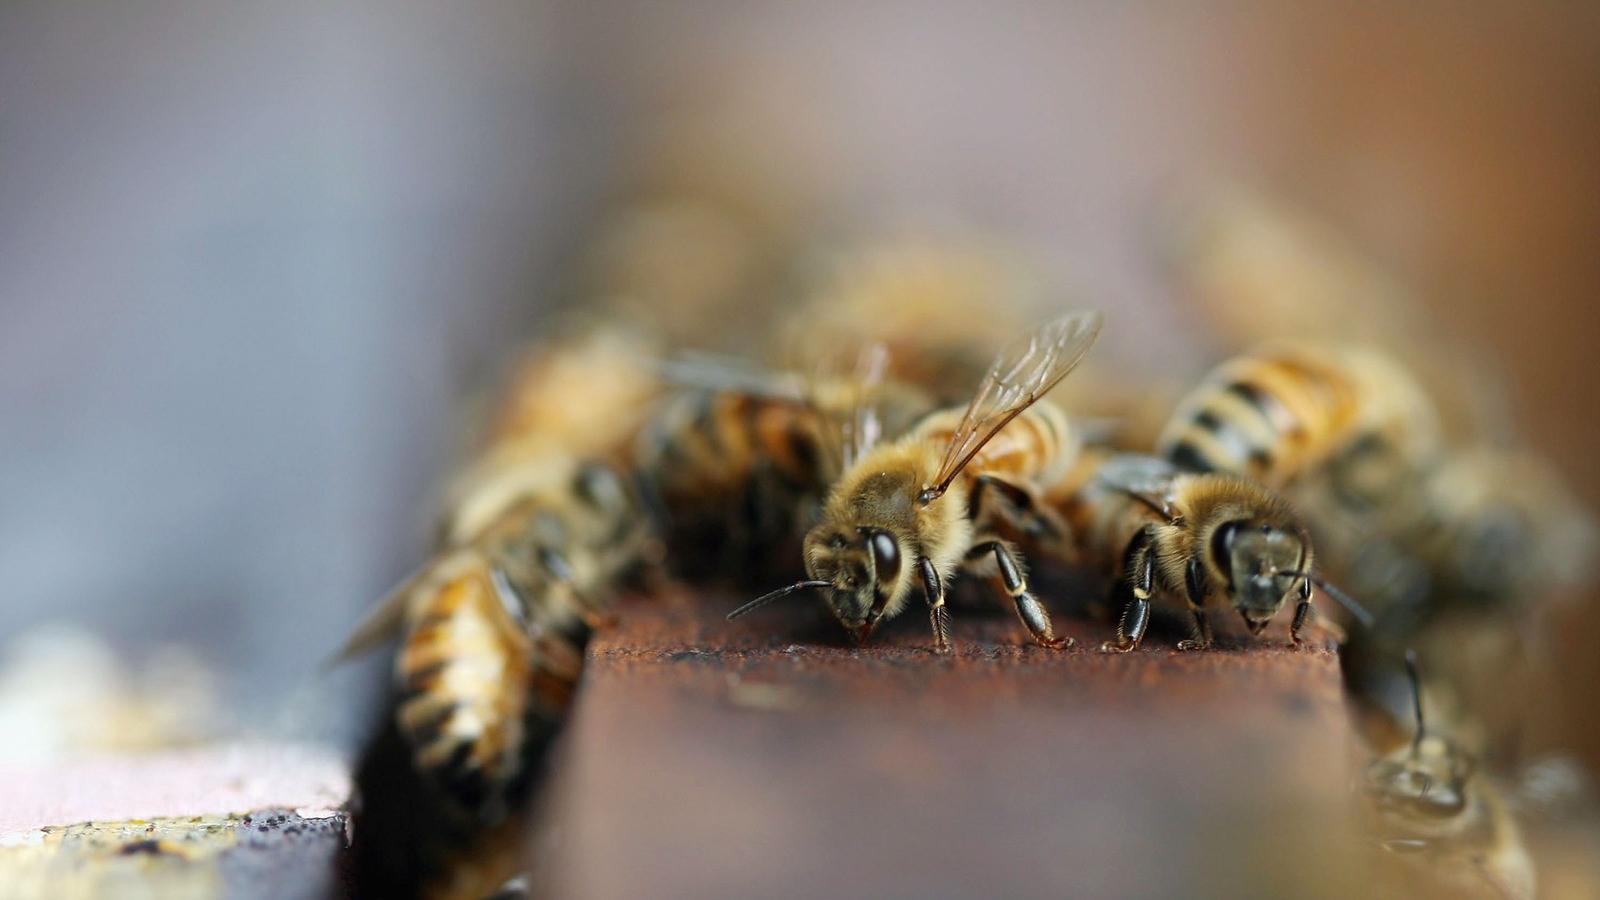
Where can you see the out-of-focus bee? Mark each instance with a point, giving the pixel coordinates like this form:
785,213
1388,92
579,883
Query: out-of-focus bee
1261,272
1158,532
1284,410
580,393
1505,531
1352,438
940,307
915,509
1444,821
492,632
739,461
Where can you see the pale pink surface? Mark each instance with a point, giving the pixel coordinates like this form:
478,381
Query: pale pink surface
206,781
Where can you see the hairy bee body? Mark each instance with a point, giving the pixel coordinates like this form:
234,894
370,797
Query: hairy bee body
1038,447
732,476
707,442
744,471
1276,413
492,632
1446,823
911,510
1159,534
885,493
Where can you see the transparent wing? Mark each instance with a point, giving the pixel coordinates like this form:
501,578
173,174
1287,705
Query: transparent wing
852,412
708,371
1020,375
1132,473
840,385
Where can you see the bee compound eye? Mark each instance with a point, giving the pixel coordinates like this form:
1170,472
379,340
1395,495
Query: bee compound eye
885,554
1222,544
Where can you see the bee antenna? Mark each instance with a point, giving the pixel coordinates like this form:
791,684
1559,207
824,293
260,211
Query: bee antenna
778,594
1355,609
1416,702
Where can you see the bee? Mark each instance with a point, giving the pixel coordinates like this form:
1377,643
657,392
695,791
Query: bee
1430,803
930,300
913,510
1158,531
740,460
581,392
492,632
1286,409
1504,531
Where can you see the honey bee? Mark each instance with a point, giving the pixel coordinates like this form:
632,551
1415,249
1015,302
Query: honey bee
740,459
1433,807
1286,409
492,632
1157,531
1415,525
1504,531
931,301
914,509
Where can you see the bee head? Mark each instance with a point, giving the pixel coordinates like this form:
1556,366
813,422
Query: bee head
1264,564
862,570
1427,782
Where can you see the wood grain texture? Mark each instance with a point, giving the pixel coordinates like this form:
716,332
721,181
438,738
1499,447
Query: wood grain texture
765,757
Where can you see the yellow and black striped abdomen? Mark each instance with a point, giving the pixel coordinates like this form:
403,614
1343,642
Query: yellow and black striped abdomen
466,673
731,475
708,441
494,634
1037,447
1267,416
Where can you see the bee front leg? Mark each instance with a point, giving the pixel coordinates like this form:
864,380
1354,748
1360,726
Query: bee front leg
1302,613
1195,582
559,569
933,589
1033,613
1141,580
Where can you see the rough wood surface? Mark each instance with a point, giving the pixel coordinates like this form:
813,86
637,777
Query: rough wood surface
766,757
237,822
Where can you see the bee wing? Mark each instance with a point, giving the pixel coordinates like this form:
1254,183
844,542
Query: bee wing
1147,479
1137,474
1019,376
708,371
388,618
839,387
381,625
854,419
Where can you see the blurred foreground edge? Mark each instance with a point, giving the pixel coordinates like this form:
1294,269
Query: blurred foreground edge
236,821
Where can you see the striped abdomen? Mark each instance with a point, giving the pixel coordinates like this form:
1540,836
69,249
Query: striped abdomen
709,442
495,631
732,476
473,686
1273,414
1037,447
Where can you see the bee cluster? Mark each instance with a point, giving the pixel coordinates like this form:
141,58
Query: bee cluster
910,440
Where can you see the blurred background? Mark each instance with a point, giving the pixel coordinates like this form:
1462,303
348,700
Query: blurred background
255,264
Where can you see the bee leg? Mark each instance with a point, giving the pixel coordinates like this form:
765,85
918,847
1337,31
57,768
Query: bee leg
1303,612
1033,613
561,570
933,589
1136,614
1035,519
1195,582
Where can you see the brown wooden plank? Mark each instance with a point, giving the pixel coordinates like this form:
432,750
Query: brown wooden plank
766,758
